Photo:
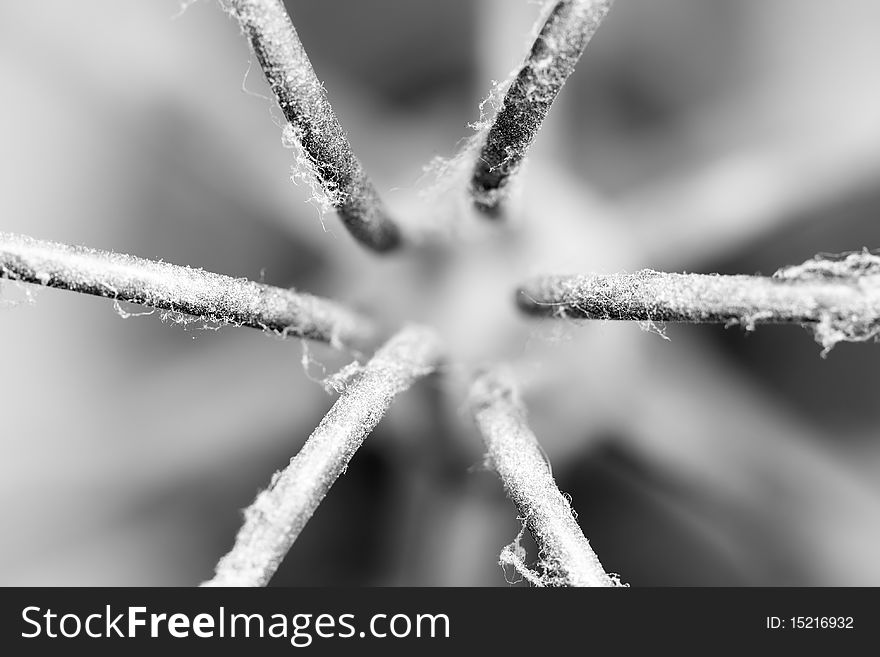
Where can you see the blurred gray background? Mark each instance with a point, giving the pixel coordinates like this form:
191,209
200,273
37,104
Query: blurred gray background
695,135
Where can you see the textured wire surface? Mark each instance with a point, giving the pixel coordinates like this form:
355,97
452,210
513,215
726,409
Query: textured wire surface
312,122
513,451
840,300
558,46
275,519
195,292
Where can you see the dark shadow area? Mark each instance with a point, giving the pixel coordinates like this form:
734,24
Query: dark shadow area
641,523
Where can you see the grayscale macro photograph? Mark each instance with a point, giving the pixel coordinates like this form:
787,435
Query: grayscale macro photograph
484,293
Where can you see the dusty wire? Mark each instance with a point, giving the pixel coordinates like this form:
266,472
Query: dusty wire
566,556
208,296
838,297
312,121
275,519
565,34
